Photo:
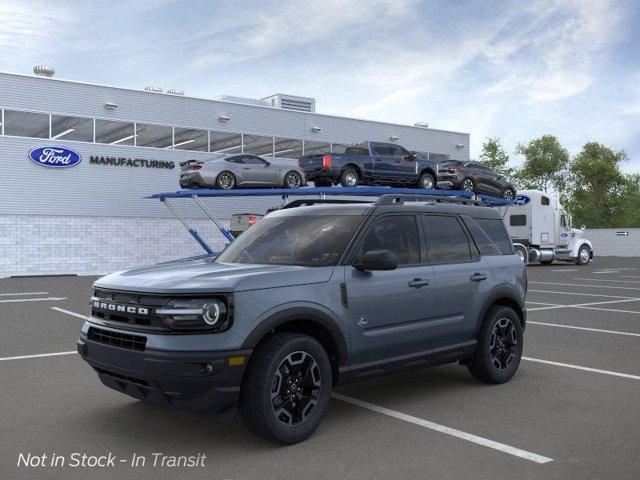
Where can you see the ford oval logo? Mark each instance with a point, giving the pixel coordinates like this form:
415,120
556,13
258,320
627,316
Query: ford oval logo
55,157
522,200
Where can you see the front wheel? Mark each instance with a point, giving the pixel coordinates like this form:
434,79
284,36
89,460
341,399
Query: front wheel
468,185
225,180
499,348
583,255
509,194
286,389
292,179
427,182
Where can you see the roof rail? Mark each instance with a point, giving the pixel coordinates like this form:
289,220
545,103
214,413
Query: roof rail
399,199
319,201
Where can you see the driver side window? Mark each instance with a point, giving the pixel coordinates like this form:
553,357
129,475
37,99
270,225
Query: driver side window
396,233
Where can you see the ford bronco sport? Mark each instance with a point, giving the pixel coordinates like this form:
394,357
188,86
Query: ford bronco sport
309,298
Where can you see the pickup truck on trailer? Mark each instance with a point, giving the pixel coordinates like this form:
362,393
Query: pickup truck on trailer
370,163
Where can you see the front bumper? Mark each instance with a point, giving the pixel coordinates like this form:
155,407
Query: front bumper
198,382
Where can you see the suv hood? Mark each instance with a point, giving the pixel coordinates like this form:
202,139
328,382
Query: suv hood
203,276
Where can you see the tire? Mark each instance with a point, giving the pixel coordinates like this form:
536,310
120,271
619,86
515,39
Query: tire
584,256
322,182
486,364
292,180
427,181
468,185
522,252
509,194
225,180
349,177
267,368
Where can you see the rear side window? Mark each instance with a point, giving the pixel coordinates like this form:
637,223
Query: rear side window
494,228
397,233
447,240
357,151
518,220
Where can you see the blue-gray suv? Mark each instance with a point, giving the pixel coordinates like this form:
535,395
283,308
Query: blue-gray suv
308,298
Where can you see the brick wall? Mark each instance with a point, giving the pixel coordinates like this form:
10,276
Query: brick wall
36,245
607,242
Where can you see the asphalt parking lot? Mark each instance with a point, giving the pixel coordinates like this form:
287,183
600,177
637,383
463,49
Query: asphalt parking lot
570,412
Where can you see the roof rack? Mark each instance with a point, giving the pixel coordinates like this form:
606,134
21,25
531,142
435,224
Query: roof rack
393,199
319,201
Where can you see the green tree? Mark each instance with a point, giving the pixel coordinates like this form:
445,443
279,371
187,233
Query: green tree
495,156
600,194
545,164
632,192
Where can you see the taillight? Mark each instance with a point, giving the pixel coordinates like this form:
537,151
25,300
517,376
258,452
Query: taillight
197,167
251,219
326,160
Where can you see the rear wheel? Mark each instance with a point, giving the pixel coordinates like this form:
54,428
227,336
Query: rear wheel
468,185
509,194
349,178
499,349
583,255
286,389
292,179
226,180
427,181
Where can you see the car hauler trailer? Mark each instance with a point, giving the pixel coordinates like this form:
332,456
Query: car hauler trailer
541,230
313,192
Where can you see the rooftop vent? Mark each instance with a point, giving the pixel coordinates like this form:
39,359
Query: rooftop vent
422,124
44,71
175,91
153,88
292,102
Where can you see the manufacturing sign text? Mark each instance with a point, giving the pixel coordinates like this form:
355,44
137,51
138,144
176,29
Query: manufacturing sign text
55,157
130,162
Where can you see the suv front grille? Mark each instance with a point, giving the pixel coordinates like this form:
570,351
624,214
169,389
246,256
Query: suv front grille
136,310
117,339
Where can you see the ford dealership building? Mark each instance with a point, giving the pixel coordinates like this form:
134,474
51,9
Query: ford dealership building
78,159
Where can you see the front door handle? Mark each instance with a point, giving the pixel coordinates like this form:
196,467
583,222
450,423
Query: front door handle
418,283
478,277
246,168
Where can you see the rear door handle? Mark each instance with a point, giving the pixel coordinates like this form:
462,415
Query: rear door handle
418,283
478,277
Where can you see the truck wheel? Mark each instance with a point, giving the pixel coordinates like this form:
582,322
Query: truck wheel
427,181
286,388
349,177
499,349
583,255
225,180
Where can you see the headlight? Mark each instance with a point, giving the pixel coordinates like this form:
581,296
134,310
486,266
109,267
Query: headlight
209,314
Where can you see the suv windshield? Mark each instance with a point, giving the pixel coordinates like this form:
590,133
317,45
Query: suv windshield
312,241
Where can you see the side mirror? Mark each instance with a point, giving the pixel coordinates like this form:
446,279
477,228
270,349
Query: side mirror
267,164
377,260
410,156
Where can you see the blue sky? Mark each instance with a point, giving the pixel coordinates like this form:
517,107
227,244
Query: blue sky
515,70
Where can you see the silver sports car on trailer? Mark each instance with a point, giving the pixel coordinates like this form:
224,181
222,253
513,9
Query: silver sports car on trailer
242,170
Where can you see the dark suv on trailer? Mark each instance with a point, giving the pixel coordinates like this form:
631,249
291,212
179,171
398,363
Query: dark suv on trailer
308,298
475,177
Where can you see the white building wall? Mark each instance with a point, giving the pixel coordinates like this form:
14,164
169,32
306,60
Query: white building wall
51,244
612,242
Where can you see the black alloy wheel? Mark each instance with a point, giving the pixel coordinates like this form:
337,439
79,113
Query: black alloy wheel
226,180
504,344
509,194
295,390
292,179
467,185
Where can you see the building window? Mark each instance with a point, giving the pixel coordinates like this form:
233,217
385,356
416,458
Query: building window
114,133
287,148
258,145
72,128
224,142
157,136
312,147
190,139
26,124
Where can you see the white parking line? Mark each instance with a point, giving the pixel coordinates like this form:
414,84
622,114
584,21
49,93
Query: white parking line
607,309
578,294
606,280
629,276
586,305
566,270
598,330
47,299
605,272
73,314
586,369
39,355
540,303
446,430
23,293
583,285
